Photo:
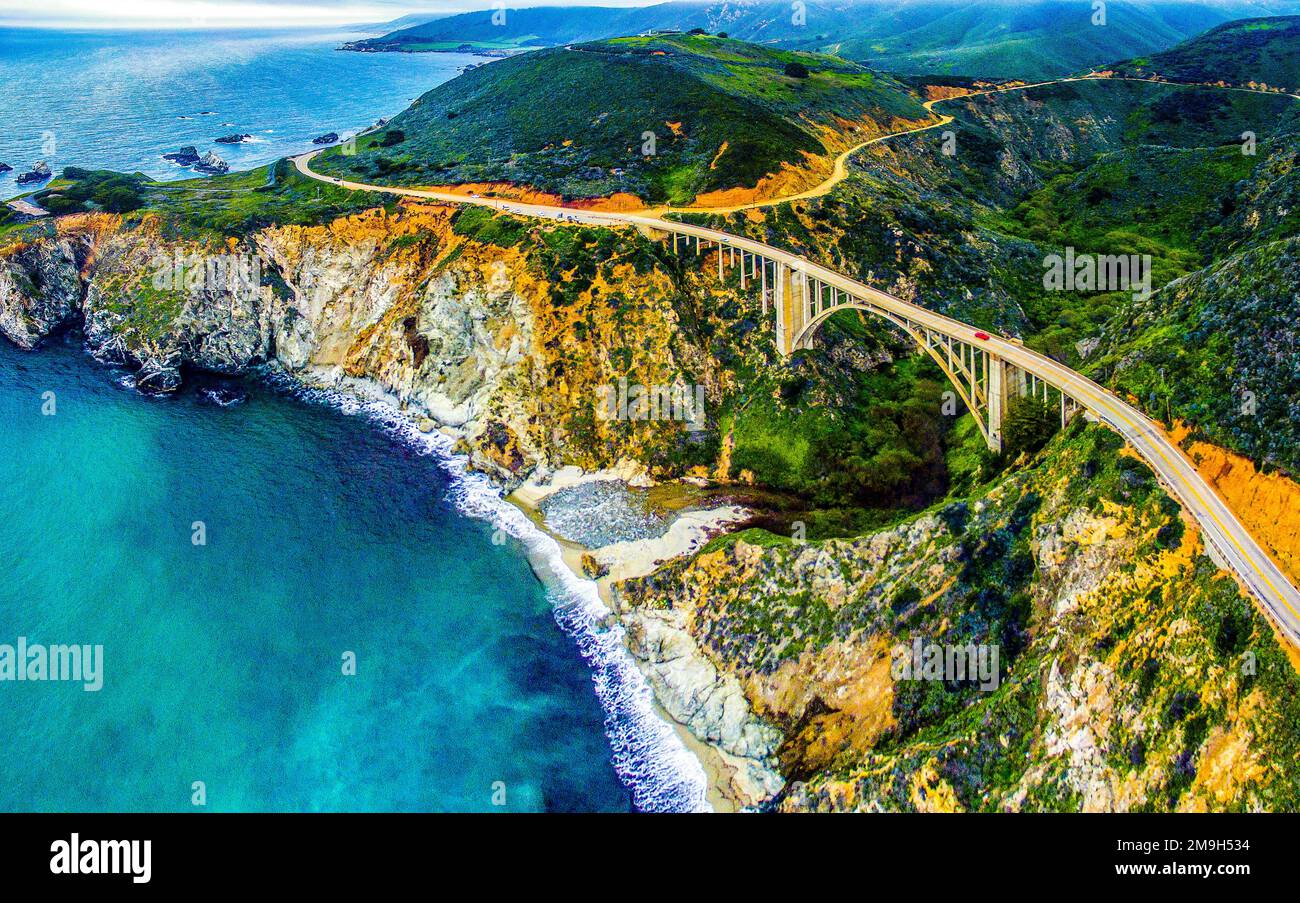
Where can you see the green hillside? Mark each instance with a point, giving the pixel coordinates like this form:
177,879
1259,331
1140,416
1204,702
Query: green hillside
1218,350
545,26
1036,39
573,120
1033,40
1263,51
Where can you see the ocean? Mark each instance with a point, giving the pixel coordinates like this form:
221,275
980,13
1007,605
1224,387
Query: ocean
334,536
119,100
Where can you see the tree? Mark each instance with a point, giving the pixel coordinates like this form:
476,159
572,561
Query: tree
796,70
1027,425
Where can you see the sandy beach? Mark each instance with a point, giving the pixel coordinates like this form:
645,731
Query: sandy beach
624,560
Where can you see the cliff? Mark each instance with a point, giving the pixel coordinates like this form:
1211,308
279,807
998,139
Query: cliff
1132,675
504,339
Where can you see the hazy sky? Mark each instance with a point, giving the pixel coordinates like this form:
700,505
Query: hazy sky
219,13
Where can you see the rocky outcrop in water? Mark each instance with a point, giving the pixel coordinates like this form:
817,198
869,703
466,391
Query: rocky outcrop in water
40,172
186,156
212,164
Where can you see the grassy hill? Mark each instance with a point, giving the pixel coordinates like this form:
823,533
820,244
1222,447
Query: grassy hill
723,113
1260,51
1036,39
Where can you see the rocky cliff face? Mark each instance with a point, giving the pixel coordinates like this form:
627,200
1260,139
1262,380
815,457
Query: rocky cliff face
503,343
40,287
1131,674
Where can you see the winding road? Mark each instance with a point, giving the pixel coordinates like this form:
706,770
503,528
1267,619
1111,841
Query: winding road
1229,542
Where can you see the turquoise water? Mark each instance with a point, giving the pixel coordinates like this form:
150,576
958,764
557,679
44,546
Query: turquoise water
119,100
222,663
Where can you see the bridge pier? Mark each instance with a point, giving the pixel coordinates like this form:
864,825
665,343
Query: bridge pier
997,395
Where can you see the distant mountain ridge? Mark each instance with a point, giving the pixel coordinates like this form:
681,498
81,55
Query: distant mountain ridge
1036,39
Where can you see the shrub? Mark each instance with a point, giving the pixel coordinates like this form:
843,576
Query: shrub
796,70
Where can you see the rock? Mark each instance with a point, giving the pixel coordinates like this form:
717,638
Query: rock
222,396
159,376
327,138
5,167
211,163
186,156
592,568
233,139
38,173
28,315
712,705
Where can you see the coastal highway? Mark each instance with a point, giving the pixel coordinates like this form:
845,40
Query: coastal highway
1230,543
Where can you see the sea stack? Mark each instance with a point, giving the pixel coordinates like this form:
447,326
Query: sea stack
38,173
211,163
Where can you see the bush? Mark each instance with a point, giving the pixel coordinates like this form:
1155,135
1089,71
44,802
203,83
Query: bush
391,137
796,70
91,189
121,200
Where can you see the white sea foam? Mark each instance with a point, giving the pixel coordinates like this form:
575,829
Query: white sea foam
651,759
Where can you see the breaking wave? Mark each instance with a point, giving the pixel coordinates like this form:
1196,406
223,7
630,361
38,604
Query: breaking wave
649,756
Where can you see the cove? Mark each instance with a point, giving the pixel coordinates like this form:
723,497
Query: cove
222,662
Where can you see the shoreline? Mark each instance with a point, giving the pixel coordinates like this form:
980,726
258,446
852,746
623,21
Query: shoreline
687,533
655,774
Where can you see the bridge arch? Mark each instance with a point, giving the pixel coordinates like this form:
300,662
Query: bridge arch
962,371
803,296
